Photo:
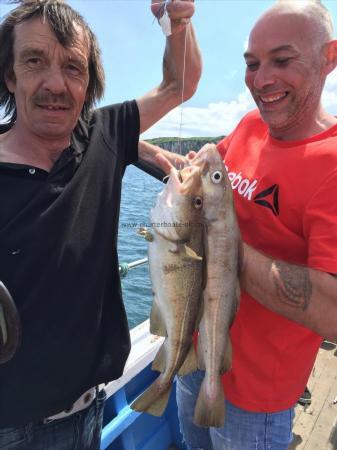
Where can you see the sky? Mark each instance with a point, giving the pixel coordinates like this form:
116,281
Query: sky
132,46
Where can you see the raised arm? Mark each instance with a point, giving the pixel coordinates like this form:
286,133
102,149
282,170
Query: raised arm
304,295
159,101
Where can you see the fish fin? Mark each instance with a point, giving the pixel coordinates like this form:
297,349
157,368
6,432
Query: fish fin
189,253
154,400
157,325
186,251
210,407
141,231
159,362
227,363
146,234
190,363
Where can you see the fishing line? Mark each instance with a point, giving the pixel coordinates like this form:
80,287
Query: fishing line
159,15
182,91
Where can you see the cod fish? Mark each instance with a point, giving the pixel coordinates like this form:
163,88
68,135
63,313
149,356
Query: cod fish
10,326
221,295
175,260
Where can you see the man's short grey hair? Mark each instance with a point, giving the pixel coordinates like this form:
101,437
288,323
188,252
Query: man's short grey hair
317,11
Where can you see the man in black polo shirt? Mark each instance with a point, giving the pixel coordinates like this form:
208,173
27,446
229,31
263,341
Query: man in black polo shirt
61,166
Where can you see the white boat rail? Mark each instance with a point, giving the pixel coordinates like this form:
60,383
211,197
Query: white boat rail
125,267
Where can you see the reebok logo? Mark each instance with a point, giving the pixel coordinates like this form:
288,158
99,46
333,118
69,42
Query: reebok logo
245,187
272,194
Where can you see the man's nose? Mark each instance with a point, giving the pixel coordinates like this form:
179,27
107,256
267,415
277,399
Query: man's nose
54,81
264,76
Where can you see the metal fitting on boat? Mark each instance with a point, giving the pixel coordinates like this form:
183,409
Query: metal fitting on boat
10,325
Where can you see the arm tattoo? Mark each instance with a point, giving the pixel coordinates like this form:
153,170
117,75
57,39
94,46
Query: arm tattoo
293,285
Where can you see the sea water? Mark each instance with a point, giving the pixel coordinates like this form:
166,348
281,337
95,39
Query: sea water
138,196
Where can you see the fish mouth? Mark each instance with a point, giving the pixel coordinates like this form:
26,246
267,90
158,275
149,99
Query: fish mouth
206,156
184,181
182,184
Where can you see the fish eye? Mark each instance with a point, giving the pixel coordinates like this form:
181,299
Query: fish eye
198,202
216,176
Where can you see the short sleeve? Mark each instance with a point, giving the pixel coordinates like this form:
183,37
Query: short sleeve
131,128
320,226
120,126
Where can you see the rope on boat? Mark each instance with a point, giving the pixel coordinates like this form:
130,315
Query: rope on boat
125,267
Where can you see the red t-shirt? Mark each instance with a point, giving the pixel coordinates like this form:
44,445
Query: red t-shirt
286,203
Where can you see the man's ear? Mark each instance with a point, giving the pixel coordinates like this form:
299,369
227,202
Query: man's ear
330,56
10,80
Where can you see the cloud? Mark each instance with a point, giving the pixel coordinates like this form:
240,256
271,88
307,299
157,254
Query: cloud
214,120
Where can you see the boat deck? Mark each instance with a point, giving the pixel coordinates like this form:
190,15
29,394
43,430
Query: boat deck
315,426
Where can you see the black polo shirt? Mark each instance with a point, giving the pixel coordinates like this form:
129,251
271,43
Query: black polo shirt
58,258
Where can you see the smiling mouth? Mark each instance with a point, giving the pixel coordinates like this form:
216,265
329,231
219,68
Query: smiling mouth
272,98
53,107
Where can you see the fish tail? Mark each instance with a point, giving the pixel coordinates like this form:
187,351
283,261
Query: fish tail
159,362
190,363
210,407
154,400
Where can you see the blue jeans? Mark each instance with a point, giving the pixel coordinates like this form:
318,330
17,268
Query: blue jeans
243,430
80,431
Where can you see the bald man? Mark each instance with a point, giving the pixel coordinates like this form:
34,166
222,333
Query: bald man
282,162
